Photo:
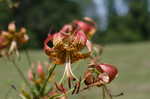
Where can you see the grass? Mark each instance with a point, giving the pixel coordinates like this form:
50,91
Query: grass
132,60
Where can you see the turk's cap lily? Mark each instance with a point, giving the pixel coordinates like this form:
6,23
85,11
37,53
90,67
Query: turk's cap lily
20,36
65,42
67,46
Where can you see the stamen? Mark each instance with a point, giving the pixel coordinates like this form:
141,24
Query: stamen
68,69
13,47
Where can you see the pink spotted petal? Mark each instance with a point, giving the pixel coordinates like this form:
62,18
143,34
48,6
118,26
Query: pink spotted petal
80,37
59,37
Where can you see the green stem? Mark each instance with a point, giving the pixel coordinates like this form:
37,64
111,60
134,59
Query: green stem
22,75
46,81
62,77
108,91
103,92
28,57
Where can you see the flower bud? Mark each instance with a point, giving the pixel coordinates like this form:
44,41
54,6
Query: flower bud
40,71
109,69
30,75
104,78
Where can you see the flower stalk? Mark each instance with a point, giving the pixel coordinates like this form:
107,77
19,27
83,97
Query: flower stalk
22,76
46,81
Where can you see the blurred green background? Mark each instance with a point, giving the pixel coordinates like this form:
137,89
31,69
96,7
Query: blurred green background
122,25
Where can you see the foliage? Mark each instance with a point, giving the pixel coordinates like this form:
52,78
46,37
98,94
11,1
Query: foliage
134,26
40,16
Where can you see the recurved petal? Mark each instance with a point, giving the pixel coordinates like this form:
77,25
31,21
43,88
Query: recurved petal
66,28
87,26
59,37
23,30
78,55
48,49
3,42
80,38
12,27
6,34
89,45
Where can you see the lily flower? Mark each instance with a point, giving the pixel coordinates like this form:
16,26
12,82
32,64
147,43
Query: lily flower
67,46
11,39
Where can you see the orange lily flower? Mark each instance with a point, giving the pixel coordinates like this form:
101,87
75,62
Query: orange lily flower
67,46
9,40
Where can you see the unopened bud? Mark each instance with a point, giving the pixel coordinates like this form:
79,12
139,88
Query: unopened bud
40,71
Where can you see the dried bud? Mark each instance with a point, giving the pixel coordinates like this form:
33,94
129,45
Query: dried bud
60,88
89,78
